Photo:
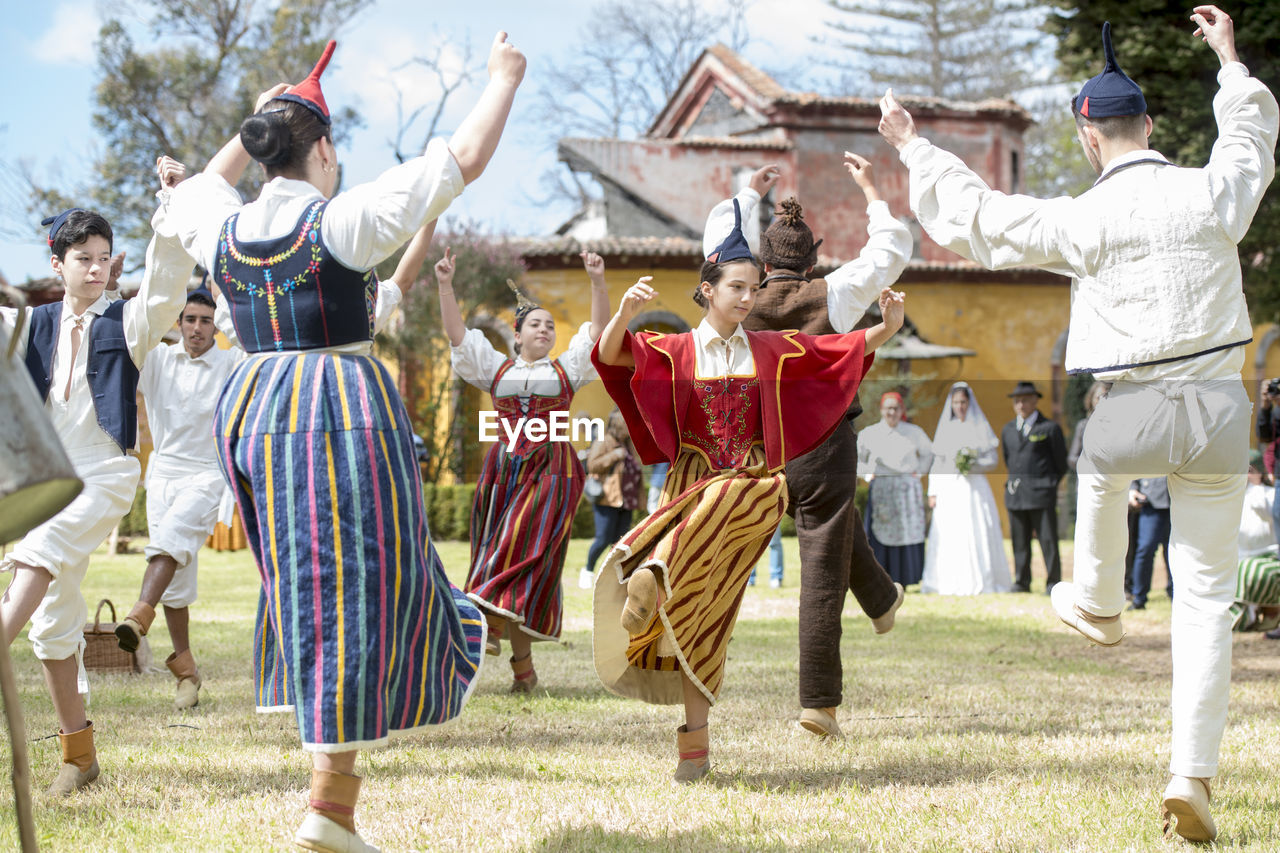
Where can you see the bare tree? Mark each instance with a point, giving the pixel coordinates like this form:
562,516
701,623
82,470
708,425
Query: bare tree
450,77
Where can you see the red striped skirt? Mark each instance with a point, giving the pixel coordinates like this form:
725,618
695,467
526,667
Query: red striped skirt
520,525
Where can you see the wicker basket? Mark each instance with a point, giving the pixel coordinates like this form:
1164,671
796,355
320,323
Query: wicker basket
102,652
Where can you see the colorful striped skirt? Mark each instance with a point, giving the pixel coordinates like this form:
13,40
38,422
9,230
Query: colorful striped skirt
1257,585
703,541
520,525
359,631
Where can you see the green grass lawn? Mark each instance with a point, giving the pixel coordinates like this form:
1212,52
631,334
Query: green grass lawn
977,724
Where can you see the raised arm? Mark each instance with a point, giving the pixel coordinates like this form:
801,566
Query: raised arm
961,213
594,265
857,284
450,315
615,333
720,219
415,254
158,304
231,160
1242,163
476,139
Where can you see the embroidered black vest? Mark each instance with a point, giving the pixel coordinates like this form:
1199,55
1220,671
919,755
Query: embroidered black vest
290,293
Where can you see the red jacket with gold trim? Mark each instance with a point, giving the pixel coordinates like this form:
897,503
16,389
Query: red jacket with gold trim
806,385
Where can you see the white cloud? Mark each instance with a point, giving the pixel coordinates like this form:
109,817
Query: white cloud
71,36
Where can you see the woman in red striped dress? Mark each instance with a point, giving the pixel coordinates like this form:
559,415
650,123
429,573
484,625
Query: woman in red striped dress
528,491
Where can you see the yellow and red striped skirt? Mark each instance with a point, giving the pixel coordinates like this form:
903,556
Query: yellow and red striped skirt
702,542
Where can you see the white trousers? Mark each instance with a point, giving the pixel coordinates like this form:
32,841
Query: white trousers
1197,434
181,513
62,546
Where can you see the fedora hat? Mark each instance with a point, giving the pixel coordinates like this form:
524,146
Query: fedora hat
1025,387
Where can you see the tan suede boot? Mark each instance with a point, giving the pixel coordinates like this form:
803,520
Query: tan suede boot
135,626
642,601
820,721
694,752
526,678
183,667
79,762
331,823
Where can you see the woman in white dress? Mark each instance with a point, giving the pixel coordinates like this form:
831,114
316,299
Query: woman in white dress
892,457
965,553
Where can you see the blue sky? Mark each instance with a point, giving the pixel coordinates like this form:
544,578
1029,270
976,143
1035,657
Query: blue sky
45,123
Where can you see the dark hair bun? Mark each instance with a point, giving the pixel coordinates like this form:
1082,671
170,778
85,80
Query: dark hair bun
267,137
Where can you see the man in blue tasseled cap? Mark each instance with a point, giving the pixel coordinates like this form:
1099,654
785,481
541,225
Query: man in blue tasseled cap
1157,309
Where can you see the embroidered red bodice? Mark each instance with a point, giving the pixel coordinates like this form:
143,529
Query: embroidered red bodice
723,419
531,408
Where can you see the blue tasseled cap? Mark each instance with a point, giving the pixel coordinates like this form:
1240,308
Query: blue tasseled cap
1111,93
55,223
734,247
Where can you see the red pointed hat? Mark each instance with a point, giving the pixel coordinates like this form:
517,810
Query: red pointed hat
308,91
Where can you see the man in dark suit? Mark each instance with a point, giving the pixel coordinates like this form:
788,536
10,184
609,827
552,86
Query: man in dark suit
1035,453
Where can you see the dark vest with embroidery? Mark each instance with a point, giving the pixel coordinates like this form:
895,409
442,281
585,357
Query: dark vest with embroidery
112,375
290,293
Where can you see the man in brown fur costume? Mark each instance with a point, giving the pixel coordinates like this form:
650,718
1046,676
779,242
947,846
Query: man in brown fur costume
834,553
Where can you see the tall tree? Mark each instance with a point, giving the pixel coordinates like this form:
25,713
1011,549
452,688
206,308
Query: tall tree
959,49
1178,76
185,92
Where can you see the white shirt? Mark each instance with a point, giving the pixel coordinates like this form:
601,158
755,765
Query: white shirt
885,450
1024,425
181,395
1151,250
146,317
1256,534
362,226
852,287
716,356
476,362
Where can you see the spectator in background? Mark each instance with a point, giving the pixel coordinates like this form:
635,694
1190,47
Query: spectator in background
1150,497
775,562
614,463
1257,601
892,457
657,476
1035,453
1269,434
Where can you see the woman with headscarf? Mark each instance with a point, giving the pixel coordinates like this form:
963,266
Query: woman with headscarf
360,633
892,457
965,552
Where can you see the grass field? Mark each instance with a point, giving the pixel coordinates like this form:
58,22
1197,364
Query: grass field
978,724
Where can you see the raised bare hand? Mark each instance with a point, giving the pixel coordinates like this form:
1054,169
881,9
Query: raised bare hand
764,179
594,265
892,308
896,124
445,268
636,297
171,172
1215,27
505,62
270,95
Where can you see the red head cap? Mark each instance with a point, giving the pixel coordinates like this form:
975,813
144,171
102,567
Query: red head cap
308,91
